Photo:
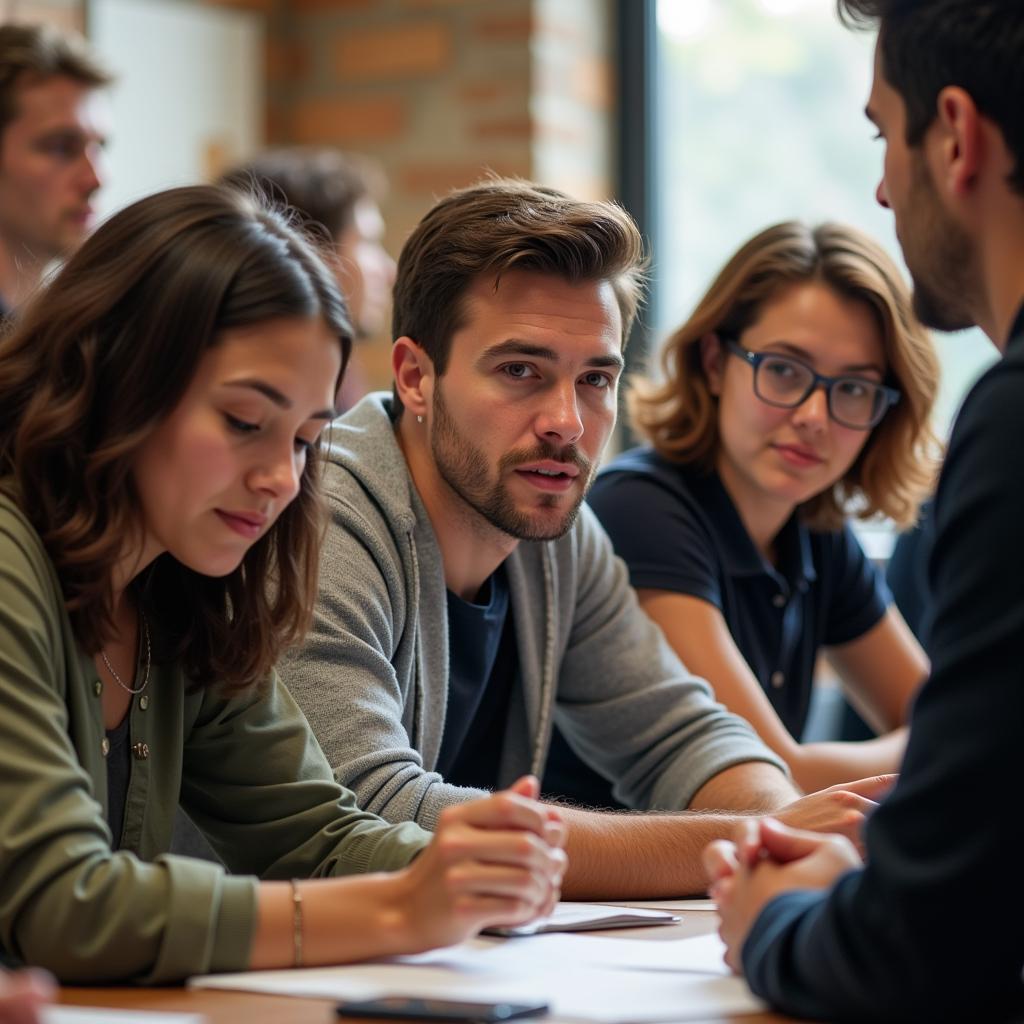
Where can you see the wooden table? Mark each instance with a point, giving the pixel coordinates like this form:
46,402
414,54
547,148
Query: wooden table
253,1008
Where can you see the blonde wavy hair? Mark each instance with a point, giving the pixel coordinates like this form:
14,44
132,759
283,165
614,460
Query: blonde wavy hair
896,468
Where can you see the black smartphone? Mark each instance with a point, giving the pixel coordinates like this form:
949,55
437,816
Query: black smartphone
438,1009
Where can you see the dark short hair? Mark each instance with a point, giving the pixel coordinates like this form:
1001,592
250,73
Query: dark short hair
927,45
35,52
503,224
101,358
321,184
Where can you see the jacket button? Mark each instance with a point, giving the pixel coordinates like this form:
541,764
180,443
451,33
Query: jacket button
97,688
140,751
104,746
144,701
777,679
779,600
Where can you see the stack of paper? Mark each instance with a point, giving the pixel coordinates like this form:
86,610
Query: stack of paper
582,977
585,917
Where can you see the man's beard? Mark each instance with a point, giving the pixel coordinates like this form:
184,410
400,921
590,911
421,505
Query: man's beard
946,288
463,467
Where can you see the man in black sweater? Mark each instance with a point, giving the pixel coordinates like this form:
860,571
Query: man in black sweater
932,927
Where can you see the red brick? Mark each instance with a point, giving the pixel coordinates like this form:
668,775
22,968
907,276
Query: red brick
435,179
286,60
394,51
327,6
276,125
504,128
485,90
347,121
505,28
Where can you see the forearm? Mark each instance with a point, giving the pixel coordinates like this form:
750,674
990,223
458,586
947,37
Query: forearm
341,920
820,765
639,856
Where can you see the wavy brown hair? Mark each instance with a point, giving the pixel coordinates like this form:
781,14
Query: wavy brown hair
896,468
98,362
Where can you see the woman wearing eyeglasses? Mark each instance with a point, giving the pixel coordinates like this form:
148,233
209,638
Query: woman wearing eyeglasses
798,392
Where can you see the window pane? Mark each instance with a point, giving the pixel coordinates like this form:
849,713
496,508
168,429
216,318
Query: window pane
760,119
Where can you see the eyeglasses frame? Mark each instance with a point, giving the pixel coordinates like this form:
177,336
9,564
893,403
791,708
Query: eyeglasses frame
755,359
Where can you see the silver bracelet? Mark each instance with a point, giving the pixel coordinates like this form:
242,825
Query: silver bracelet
296,924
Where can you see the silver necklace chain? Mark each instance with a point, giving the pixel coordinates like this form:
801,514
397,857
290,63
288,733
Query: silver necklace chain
145,676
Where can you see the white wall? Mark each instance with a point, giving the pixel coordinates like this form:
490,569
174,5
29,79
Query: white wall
189,97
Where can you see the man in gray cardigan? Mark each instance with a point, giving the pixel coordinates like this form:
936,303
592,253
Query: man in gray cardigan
468,598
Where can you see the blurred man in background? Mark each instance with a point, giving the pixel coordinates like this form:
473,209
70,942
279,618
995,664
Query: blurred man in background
338,195
52,133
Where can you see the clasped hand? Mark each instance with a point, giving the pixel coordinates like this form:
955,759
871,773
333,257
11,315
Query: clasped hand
767,859
495,861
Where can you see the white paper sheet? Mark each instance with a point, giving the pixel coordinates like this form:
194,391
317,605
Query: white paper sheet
100,1015
671,906
582,917
702,954
582,977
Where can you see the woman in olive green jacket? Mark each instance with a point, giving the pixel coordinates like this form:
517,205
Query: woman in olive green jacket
160,409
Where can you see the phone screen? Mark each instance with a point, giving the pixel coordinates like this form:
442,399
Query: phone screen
439,1009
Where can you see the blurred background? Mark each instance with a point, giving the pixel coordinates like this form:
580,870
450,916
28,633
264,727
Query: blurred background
708,119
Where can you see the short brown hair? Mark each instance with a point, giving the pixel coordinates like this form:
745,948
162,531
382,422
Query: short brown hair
502,224
322,184
36,52
896,468
100,359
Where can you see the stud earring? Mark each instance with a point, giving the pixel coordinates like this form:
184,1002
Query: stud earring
419,419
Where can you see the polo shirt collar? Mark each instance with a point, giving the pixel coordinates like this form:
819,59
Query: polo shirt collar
740,556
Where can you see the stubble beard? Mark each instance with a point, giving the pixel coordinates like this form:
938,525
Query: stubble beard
946,285
463,467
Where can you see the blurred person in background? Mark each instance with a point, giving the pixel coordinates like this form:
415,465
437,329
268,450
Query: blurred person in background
337,195
52,133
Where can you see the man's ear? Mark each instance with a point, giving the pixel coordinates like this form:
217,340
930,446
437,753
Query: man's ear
957,149
413,372
712,360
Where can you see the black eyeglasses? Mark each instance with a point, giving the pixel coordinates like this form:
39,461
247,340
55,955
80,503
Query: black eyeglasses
787,382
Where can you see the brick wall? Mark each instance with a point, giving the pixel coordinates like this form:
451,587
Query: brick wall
440,91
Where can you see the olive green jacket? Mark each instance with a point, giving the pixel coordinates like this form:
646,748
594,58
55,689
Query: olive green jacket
247,769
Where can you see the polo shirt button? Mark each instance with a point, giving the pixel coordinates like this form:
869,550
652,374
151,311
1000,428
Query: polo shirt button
140,751
144,702
777,679
104,746
779,600
97,688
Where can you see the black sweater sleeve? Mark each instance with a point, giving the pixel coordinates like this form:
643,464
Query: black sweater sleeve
933,927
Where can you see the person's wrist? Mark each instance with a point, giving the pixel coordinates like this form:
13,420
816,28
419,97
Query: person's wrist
396,894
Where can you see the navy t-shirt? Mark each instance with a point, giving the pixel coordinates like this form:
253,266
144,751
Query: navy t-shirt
678,530
482,667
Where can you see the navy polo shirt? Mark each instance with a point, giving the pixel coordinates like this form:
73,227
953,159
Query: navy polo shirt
678,530
482,667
